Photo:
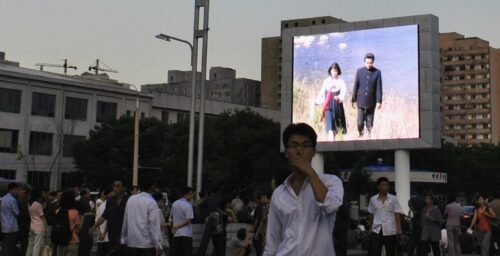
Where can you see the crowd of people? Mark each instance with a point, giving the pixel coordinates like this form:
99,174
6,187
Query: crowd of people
306,214
121,221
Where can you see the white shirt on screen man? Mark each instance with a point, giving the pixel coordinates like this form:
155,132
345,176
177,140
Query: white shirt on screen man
182,210
300,225
141,223
384,214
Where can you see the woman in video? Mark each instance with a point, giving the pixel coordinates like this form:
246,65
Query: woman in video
331,97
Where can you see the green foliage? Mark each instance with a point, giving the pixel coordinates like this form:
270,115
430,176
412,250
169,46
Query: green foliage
359,181
108,152
241,151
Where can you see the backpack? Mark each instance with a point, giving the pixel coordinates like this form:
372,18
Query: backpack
217,223
61,233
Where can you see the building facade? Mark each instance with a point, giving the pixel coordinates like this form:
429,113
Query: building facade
222,85
470,78
43,114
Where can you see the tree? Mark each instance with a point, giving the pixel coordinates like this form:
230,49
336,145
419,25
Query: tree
107,154
241,150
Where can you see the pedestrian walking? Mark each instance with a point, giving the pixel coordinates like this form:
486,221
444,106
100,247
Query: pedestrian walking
23,219
431,220
8,217
416,204
495,224
452,213
482,225
84,207
141,231
38,226
113,214
67,223
102,230
182,214
384,219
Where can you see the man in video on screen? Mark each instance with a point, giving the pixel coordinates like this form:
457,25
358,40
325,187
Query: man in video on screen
367,94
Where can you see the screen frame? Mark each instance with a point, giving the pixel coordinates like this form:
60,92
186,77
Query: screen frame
428,84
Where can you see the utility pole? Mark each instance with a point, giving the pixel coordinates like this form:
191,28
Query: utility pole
203,33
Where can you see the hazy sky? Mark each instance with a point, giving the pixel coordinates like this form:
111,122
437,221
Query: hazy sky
121,32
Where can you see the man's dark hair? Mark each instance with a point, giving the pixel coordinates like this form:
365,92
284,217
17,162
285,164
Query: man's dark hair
68,199
187,190
157,196
431,196
452,198
147,183
202,194
36,195
84,192
257,195
335,66
122,181
369,56
241,234
382,179
107,191
300,129
132,188
12,186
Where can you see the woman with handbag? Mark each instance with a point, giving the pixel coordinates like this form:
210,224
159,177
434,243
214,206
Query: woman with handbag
482,225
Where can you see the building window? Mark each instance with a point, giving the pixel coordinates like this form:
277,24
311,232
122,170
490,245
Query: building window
128,113
8,140
106,111
40,143
43,104
38,179
8,174
68,142
143,115
10,100
76,109
164,117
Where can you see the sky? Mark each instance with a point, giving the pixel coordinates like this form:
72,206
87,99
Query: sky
121,32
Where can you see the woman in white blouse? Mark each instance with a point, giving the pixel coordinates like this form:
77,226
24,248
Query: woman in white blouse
331,97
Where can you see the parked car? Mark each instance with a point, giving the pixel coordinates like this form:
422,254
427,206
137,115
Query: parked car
466,214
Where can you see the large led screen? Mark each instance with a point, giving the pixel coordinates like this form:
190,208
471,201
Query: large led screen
358,85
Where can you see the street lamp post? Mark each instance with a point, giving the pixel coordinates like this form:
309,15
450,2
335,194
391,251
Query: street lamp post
135,165
194,58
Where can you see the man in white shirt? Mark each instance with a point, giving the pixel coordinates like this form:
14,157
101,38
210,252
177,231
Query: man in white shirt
384,219
182,214
302,210
141,231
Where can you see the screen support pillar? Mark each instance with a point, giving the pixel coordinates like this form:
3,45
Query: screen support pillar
402,177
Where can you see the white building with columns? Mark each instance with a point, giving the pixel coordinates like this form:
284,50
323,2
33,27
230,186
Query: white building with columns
42,114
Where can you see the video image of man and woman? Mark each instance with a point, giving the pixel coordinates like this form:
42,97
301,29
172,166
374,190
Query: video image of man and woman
358,85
